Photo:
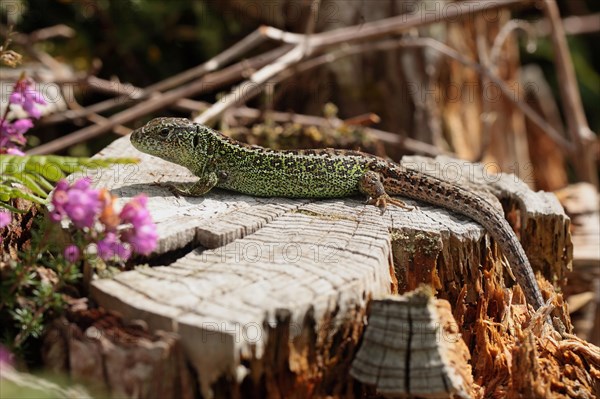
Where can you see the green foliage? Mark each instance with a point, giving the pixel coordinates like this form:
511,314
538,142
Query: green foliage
38,173
587,74
34,285
33,289
140,40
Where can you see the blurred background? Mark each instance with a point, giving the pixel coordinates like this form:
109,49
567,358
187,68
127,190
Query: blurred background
414,92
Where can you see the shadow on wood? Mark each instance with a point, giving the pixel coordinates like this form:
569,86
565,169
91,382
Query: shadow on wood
272,300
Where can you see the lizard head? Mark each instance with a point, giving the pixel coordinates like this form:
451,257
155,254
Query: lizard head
175,140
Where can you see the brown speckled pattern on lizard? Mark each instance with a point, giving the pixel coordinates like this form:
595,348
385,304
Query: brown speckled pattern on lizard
220,161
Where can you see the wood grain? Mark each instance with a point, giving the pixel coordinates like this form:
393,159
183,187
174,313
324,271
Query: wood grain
273,292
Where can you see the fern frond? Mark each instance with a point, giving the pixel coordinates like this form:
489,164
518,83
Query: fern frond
38,173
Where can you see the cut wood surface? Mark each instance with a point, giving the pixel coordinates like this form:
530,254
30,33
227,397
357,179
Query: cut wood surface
412,347
270,294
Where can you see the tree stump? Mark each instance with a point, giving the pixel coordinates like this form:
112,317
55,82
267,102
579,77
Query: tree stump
269,296
412,347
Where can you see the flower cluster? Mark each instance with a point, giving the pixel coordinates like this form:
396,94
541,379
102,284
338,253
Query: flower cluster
78,202
12,132
142,236
92,211
27,97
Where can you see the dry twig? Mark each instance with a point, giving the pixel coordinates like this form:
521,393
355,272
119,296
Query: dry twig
307,45
577,127
157,102
280,67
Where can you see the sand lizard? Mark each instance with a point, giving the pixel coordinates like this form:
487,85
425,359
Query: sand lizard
220,161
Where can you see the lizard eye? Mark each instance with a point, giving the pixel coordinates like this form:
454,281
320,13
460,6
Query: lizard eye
164,133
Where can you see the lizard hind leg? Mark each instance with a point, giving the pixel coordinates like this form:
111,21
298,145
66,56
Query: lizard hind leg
198,189
372,186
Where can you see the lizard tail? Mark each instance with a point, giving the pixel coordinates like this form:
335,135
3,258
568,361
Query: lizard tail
398,180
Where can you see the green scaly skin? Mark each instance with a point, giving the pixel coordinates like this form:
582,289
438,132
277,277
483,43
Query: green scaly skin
220,161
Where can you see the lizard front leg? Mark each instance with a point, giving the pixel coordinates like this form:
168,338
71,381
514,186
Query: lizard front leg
198,189
371,185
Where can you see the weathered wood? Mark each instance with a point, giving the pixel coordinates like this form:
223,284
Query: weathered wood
271,300
124,361
412,348
581,202
538,217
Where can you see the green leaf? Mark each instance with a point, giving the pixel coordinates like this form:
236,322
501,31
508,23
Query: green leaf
19,193
39,172
10,208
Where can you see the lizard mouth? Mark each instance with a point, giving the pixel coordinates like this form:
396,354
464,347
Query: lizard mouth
142,140
135,137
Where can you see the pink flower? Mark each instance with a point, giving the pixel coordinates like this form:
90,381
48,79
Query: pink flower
142,235
59,198
14,131
82,184
15,151
71,253
79,202
132,230
27,97
12,135
5,218
135,211
143,239
110,247
82,207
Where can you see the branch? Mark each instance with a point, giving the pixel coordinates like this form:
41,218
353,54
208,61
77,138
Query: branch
574,25
50,32
136,94
577,126
240,94
530,113
157,102
407,143
306,45
503,35
398,24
